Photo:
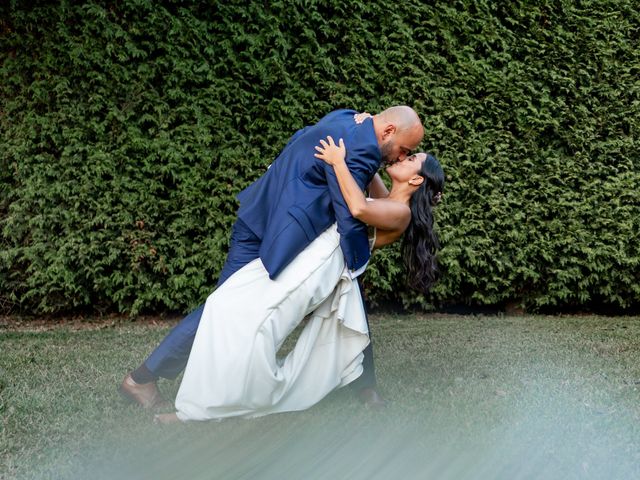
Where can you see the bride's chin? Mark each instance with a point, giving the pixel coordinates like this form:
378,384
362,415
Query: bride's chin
390,170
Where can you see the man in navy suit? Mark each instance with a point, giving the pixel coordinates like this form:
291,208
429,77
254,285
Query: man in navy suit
282,212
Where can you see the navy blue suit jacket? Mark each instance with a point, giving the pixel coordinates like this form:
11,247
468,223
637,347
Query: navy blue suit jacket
299,197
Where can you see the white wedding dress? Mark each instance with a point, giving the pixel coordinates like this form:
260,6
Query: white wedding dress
233,368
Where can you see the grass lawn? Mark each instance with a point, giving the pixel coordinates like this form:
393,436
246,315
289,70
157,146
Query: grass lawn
469,397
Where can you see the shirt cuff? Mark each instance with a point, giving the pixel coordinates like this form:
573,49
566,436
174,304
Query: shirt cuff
356,273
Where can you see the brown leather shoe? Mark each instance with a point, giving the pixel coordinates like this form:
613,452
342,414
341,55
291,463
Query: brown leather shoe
144,394
371,398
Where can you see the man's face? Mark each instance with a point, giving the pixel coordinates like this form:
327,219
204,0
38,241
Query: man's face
399,145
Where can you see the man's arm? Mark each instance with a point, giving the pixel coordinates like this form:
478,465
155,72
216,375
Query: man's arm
295,135
377,188
386,215
362,164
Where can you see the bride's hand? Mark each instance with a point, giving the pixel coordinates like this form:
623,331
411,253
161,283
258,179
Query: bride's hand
361,117
331,153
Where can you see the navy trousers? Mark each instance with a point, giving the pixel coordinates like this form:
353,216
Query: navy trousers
170,357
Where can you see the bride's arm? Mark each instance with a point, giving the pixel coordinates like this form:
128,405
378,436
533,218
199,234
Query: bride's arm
383,214
386,237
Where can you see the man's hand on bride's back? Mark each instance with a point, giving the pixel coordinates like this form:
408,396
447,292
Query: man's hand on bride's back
331,153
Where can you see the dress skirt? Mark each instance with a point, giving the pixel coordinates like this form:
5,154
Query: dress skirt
234,368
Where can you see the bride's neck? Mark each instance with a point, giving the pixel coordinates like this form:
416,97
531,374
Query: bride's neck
401,192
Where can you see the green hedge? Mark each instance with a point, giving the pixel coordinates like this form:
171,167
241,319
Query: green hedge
128,127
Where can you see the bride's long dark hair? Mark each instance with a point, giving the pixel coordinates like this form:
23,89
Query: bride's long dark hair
420,242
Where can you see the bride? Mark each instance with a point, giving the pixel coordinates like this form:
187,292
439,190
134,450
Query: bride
233,367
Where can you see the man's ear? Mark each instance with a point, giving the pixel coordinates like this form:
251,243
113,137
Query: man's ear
388,131
416,181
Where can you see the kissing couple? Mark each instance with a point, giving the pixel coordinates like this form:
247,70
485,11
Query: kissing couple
303,235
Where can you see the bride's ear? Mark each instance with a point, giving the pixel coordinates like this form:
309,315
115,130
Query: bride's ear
416,181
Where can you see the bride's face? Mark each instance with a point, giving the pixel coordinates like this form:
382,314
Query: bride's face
408,168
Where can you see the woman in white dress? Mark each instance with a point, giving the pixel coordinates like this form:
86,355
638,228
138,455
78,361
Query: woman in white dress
233,367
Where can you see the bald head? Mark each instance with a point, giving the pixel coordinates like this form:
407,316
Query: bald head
403,117
399,131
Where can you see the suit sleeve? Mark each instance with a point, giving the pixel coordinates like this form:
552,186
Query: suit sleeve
295,135
362,165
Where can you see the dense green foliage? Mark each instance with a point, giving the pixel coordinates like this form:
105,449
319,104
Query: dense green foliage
128,127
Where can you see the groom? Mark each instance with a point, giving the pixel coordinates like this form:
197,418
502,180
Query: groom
283,211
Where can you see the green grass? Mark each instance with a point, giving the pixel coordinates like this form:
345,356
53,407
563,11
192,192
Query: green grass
469,397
